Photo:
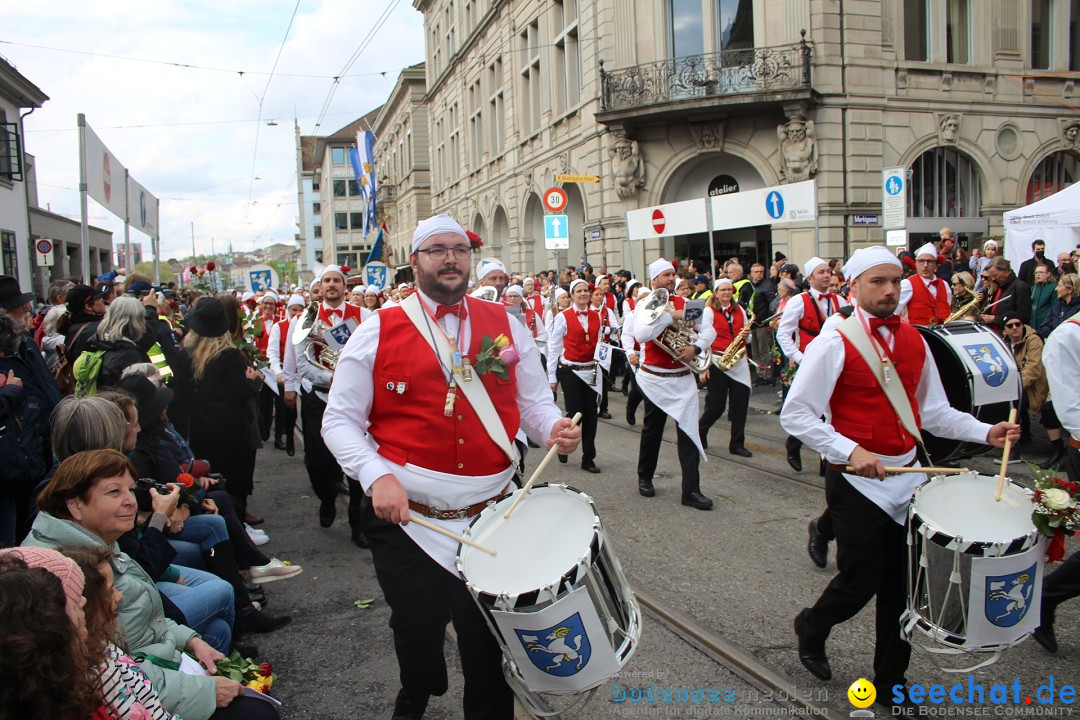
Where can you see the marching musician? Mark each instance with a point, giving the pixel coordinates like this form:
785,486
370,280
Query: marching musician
874,375
490,272
609,333
572,350
670,388
324,473
267,314
421,435
803,317
276,349
533,296
513,295
925,298
632,349
728,319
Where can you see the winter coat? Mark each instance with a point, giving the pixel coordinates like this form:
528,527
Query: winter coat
140,617
81,330
119,355
1059,313
1028,354
40,396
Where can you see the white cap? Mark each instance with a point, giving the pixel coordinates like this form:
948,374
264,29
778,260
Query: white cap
436,225
270,294
988,243
559,292
297,300
865,258
577,282
247,296
371,289
486,265
631,283
314,284
515,289
332,269
678,282
927,249
722,281
811,265
403,286
659,266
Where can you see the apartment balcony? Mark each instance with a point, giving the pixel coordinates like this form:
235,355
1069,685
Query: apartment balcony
728,83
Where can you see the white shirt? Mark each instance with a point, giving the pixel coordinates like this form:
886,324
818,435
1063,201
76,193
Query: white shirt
644,333
905,291
1061,358
274,357
808,401
787,332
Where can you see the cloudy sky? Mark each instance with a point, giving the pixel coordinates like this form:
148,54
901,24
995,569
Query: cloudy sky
193,135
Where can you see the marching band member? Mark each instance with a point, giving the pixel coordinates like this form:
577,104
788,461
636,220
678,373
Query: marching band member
276,349
876,378
728,318
633,350
603,284
267,313
420,434
670,388
560,300
356,296
533,321
491,272
572,349
609,330
533,296
324,473
803,317
925,298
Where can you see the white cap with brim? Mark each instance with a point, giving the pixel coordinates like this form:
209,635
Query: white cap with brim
811,265
927,249
436,225
865,258
488,265
247,296
297,300
659,266
332,269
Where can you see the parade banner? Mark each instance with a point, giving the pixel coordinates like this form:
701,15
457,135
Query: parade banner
104,175
142,209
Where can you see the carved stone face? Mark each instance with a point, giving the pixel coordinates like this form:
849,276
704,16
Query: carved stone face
796,132
1071,133
950,126
623,148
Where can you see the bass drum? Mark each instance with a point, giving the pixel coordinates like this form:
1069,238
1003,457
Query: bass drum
979,375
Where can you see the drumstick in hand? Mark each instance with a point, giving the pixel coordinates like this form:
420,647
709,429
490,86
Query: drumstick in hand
1005,459
539,469
443,531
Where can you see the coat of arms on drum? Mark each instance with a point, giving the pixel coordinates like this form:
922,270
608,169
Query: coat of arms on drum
1009,597
990,363
561,650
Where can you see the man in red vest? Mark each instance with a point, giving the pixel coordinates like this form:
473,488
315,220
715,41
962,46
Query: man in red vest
572,347
925,298
843,373
422,435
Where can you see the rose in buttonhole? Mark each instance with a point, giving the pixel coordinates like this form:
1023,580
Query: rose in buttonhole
501,342
1056,499
509,355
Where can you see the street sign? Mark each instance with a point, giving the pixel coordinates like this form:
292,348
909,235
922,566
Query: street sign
893,197
679,218
659,222
262,277
777,205
44,252
577,178
596,234
556,232
555,199
896,238
864,219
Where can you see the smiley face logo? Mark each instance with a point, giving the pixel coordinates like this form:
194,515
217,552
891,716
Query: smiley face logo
862,693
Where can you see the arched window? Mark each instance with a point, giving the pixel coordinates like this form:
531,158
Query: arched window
943,183
1056,172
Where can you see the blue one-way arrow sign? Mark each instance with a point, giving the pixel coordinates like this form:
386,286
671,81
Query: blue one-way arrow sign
556,232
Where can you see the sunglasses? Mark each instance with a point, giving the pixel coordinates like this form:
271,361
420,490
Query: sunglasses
1014,324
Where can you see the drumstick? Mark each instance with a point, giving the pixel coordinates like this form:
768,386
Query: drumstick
1005,458
443,531
539,469
925,470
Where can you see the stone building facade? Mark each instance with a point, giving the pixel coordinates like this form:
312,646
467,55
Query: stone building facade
669,100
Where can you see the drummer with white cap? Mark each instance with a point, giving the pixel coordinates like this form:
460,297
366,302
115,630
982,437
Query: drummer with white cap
925,298
875,377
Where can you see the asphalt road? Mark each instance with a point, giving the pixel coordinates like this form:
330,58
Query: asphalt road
740,571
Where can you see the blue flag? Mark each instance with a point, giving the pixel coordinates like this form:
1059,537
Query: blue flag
377,246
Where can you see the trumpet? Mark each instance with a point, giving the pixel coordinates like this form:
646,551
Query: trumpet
736,351
674,337
317,351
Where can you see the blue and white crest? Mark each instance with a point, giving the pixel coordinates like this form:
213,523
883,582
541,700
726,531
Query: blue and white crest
1008,597
561,650
990,363
341,333
260,279
375,274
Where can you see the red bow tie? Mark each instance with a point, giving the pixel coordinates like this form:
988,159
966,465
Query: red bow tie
582,313
892,322
459,311
335,313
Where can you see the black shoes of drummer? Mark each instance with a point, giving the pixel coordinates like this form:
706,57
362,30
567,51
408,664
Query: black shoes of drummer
811,649
696,500
740,451
590,467
327,513
645,488
1044,635
817,547
794,454
406,709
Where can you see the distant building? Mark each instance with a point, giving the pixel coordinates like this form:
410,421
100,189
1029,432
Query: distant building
121,253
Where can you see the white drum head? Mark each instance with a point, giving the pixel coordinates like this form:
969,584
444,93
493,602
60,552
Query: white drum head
963,506
549,533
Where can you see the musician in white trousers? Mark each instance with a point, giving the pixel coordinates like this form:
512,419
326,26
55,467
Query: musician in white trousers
876,378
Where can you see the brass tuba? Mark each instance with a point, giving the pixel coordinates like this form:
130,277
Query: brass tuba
736,351
676,336
310,327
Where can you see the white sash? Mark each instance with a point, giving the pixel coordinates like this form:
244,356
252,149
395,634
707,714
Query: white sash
474,391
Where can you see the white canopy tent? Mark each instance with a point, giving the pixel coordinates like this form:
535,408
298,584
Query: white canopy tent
1054,219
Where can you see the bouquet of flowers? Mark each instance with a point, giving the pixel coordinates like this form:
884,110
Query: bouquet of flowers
1054,511
496,356
246,672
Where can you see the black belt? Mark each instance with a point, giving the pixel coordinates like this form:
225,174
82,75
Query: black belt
577,366
678,373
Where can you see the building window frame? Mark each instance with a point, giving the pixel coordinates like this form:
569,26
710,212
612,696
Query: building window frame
531,78
1053,173
958,35
337,156
944,182
9,253
495,106
566,21
918,33
341,221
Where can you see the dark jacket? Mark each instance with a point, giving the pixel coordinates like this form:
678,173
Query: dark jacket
40,396
118,356
764,292
1016,297
1027,270
1059,313
81,330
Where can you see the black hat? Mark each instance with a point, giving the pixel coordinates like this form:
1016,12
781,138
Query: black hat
778,256
701,279
207,318
104,288
79,295
139,288
1010,315
151,399
791,269
11,296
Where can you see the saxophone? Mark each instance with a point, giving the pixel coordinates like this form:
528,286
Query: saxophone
964,309
736,351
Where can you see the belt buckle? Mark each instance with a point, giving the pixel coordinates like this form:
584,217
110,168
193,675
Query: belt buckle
433,512
459,514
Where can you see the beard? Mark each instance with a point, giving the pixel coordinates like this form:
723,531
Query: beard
446,286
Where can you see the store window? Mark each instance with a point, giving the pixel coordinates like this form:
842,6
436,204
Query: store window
943,183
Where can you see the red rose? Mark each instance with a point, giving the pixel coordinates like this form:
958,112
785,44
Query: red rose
266,669
210,265
186,479
194,269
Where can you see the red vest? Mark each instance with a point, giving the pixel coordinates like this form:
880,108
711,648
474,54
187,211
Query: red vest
263,338
410,426
349,311
860,409
812,320
536,302
576,348
657,358
726,332
924,308
609,300
283,328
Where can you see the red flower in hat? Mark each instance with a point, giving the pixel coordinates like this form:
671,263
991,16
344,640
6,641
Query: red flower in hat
210,265
474,240
909,262
345,268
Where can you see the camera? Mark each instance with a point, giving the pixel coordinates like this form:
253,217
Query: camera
147,483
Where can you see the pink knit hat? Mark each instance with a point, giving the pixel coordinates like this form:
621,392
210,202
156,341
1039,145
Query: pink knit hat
63,567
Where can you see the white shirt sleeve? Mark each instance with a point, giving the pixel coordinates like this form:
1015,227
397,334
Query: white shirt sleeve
706,330
555,345
288,363
905,296
789,328
273,351
630,345
1061,358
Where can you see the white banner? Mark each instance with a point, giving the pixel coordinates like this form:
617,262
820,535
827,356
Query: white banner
562,648
777,205
142,209
603,355
262,277
681,218
104,174
1005,597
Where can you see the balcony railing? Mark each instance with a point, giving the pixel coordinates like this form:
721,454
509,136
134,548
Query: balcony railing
731,72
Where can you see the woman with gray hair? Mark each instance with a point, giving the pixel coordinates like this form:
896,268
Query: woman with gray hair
119,335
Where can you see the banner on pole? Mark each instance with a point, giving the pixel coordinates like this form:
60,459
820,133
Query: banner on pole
142,209
104,175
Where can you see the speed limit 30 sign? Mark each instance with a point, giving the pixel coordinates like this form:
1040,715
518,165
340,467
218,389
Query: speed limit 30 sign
555,200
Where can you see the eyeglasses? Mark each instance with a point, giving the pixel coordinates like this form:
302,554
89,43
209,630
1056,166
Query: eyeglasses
986,277
438,253
1014,324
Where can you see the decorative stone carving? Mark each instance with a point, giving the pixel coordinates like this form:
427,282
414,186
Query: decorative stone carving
1070,135
949,127
709,136
628,169
798,148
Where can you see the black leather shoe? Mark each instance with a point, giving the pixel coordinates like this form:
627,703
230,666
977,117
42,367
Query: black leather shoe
604,415
645,488
562,458
740,451
360,540
817,546
406,709
290,446
794,459
811,650
630,419
1044,635
327,513
250,620
696,500
279,444
590,467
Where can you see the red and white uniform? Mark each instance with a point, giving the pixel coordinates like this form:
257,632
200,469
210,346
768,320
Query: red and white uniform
727,323
804,315
925,301
572,343
311,376
276,349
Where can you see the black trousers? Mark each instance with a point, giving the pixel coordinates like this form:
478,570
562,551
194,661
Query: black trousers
605,382
579,397
323,471
633,395
871,558
793,443
1064,583
266,411
284,416
423,597
718,387
652,434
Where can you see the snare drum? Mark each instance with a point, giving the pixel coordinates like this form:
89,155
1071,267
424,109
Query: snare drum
975,567
979,375
554,595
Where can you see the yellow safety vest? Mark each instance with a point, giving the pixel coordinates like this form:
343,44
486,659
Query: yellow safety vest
157,356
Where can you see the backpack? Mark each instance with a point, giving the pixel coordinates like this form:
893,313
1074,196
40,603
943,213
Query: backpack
20,444
86,370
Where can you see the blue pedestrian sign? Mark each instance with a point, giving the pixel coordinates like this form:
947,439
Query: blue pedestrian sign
894,185
556,232
893,198
774,205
